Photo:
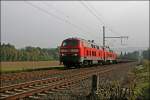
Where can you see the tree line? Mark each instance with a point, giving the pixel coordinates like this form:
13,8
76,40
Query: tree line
130,55
135,55
10,53
146,54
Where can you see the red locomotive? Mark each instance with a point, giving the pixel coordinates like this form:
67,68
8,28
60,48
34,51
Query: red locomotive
76,52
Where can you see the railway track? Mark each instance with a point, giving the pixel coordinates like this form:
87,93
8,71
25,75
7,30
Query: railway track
22,77
16,78
44,86
30,88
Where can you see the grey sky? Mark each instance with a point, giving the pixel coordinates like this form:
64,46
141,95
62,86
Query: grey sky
22,24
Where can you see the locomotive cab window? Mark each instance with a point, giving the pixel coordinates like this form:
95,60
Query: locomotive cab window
70,43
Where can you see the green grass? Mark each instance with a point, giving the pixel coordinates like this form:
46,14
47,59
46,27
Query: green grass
12,67
17,70
143,82
22,66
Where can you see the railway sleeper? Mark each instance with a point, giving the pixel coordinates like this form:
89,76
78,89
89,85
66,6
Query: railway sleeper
49,92
37,85
3,95
41,94
61,89
18,90
33,87
33,97
25,88
9,92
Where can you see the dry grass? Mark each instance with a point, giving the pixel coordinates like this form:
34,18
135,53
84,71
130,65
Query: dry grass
24,65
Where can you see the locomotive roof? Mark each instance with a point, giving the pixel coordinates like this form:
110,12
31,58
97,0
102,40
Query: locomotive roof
74,38
80,39
92,43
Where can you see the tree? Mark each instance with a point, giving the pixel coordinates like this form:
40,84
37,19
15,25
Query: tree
146,54
10,53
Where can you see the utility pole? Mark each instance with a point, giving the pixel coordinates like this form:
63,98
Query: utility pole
103,37
120,37
104,40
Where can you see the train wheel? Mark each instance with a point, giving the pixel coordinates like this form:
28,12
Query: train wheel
85,63
103,62
91,63
108,62
68,66
115,62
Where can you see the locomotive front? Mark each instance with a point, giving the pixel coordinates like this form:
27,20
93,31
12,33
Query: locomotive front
70,52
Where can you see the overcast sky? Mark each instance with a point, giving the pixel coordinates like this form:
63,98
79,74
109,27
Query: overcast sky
46,23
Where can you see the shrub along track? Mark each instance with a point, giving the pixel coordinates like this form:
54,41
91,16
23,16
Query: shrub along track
68,78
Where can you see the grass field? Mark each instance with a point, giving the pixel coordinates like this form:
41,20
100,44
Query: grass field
27,65
142,84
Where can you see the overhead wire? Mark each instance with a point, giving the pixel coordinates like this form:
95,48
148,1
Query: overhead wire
57,17
106,25
92,12
101,22
66,16
98,16
64,20
51,5
101,17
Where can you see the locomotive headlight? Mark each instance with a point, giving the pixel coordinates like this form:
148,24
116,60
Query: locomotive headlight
74,50
75,54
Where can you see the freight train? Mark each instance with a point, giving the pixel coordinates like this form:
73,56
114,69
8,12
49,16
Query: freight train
75,52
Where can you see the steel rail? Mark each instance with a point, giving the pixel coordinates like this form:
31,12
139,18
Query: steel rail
25,84
54,85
